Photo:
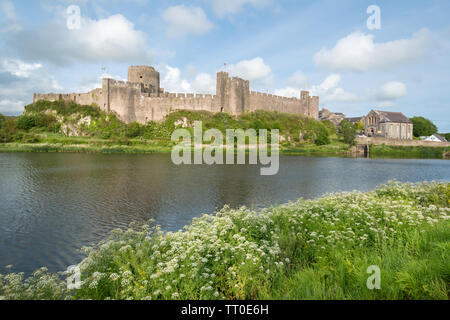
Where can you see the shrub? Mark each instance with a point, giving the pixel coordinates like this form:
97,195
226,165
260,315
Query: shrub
423,127
2,120
133,130
330,126
347,132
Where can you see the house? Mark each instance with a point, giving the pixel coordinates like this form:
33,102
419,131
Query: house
335,117
355,120
434,137
389,125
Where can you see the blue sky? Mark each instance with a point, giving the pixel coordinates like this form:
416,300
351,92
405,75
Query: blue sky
280,46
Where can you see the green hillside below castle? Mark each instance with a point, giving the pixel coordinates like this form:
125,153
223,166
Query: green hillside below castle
63,126
67,126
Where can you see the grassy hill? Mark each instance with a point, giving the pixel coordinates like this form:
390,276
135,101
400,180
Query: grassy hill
66,126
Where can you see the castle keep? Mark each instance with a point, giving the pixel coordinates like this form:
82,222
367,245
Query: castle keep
142,99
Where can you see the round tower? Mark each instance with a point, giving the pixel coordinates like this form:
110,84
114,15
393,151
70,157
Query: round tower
146,75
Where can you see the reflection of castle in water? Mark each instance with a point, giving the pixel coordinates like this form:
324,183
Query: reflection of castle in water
142,99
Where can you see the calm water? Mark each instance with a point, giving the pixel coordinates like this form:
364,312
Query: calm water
53,204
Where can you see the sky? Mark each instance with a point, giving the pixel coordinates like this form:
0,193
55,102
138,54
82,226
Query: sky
326,46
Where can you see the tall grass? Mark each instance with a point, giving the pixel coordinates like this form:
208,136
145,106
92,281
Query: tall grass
314,249
381,151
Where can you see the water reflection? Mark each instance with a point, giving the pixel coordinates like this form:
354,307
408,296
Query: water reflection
53,204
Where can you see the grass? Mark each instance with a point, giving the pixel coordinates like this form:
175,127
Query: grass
310,249
41,129
384,151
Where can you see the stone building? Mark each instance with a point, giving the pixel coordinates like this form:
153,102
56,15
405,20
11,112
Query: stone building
389,125
142,99
335,117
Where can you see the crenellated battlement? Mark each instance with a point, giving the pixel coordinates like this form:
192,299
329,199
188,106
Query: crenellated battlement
142,99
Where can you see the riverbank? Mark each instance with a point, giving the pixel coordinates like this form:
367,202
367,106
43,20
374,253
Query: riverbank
85,145
310,249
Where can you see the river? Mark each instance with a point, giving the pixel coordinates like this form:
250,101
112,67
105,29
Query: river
53,204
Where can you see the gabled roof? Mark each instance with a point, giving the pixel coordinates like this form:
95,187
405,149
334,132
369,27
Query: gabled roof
388,116
440,137
354,119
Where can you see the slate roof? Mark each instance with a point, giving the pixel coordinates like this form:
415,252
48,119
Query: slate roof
397,117
440,137
354,119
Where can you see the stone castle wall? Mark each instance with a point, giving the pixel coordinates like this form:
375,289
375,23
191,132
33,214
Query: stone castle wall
141,99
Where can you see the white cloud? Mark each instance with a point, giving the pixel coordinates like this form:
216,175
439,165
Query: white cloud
298,79
359,52
111,39
91,83
204,83
289,92
18,82
391,90
20,68
329,91
8,17
254,70
225,7
182,20
385,105
172,81
10,107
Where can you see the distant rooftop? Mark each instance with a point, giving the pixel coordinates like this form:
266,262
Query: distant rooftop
388,116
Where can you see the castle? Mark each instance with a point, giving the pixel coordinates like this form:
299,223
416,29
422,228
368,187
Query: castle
142,99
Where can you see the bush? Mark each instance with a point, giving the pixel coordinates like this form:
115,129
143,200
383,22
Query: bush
2,120
322,138
330,126
316,132
63,108
347,132
423,127
133,130
40,120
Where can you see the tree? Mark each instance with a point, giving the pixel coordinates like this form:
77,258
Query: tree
330,126
2,120
347,132
423,127
447,136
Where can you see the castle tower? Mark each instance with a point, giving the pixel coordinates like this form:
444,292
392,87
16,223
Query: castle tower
222,89
233,93
314,108
146,75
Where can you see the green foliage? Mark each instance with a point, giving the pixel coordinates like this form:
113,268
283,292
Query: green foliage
40,120
310,249
360,127
133,130
2,121
63,108
423,127
330,126
380,151
446,136
347,132
46,116
8,130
